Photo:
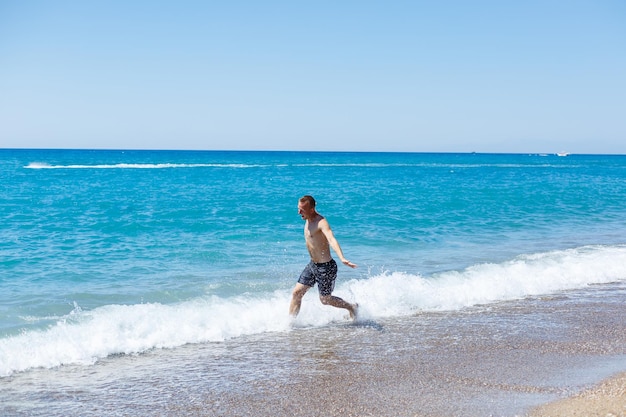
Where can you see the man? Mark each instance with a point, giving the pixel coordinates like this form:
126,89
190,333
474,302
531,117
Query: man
322,269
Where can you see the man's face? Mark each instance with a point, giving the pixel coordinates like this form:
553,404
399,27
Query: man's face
305,210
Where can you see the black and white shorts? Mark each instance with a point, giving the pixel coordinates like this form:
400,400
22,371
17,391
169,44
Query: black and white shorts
324,274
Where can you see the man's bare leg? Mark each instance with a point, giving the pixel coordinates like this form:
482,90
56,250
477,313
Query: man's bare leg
339,303
296,298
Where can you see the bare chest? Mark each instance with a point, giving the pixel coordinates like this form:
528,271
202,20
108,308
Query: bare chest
310,231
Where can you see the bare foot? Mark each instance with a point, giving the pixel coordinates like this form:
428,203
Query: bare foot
354,311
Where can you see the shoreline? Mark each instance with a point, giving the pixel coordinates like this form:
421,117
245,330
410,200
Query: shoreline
470,377
534,357
509,360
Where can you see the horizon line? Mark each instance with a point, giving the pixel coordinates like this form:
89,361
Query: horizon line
561,153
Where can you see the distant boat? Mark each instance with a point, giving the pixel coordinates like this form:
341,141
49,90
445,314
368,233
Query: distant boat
562,154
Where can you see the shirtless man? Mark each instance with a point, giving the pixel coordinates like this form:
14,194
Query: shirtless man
322,268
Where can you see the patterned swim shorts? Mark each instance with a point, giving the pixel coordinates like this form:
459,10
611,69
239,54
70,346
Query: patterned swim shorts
324,274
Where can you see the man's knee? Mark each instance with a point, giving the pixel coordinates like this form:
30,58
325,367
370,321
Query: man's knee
299,291
326,299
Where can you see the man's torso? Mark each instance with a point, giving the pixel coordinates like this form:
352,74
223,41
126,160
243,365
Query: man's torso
316,241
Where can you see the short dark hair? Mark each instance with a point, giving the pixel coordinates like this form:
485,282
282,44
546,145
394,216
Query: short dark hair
308,199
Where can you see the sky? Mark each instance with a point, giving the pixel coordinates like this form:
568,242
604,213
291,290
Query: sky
408,76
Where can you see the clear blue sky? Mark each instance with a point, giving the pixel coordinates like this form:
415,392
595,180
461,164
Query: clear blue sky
424,76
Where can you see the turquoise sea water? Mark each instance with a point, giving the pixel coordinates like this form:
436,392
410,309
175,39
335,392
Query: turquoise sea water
111,252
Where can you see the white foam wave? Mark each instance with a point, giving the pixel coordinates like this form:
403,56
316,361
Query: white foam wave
433,165
83,337
394,294
43,165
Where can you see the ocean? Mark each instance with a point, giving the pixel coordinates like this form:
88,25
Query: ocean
111,258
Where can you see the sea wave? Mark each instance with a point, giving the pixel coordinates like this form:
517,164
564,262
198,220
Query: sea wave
395,294
84,337
43,165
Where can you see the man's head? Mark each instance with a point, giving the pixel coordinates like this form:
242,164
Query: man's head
306,207
308,199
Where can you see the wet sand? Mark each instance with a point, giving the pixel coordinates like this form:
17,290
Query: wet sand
504,359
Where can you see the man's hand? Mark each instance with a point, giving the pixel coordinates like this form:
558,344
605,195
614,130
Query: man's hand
348,263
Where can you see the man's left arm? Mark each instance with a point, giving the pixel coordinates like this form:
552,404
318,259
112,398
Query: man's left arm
330,236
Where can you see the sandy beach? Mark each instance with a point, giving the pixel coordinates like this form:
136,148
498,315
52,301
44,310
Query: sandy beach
607,399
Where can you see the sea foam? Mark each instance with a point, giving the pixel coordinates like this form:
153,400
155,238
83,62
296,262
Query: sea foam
43,165
84,337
